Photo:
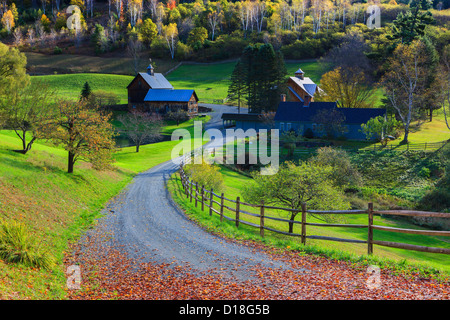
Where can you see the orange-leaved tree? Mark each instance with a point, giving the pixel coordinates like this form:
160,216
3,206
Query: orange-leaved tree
85,132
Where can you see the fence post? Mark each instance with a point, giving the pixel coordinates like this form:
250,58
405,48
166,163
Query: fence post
210,202
425,146
261,219
237,211
221,207
196,194
190,193
203,198
370,229
303,223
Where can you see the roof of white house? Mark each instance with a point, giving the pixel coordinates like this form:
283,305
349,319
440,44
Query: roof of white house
156,81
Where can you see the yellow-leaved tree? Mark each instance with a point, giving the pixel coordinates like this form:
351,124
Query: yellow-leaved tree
349,87
8,21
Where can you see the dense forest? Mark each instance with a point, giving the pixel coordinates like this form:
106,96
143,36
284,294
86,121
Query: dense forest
207,31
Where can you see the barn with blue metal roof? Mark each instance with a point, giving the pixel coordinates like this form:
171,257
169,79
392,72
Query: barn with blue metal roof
152,92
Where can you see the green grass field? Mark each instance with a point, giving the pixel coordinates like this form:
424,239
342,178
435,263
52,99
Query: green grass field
210,81
69,85
234,181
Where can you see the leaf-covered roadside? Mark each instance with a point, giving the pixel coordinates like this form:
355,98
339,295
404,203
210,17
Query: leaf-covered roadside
107,273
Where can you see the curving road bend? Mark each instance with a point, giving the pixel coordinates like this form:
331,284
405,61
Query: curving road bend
148,226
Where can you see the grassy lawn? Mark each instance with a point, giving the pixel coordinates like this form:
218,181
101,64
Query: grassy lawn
69,85
210,81
234,181
434,131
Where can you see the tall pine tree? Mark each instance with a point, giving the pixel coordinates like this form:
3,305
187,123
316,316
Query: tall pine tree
237,87
262,76
411,25
86,91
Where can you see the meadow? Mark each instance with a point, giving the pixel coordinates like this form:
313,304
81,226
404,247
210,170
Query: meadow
69,86
383,256
210,80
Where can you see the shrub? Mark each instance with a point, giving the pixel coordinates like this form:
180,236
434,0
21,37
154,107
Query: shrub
17,245
424,172
207,175
344,172
57,50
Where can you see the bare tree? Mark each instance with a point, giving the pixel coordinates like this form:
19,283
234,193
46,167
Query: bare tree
141,127
18,36
404,82
134,50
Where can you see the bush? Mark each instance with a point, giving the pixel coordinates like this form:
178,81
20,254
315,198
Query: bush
207,175
424,172
57,50
344,172
18,246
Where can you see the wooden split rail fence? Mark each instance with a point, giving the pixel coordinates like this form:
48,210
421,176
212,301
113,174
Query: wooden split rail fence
217,203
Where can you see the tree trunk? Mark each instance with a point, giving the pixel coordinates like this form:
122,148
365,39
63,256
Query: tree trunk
291,224
71,162
431,115
28,147
137,147
24,142
405,137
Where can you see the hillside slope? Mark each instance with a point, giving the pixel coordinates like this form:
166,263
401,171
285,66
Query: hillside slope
55,206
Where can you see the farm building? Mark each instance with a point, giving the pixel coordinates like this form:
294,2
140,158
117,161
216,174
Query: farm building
301,88
299,113
152,92
299,117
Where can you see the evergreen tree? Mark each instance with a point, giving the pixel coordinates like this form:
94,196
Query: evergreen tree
237,88
249,70
264,72
411,25
99,39
86,91
430,97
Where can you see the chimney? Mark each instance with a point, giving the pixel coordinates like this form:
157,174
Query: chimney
307,100
283,98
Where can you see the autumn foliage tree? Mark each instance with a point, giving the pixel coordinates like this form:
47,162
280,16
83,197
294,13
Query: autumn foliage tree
170,34
84,132
348,87
8,20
